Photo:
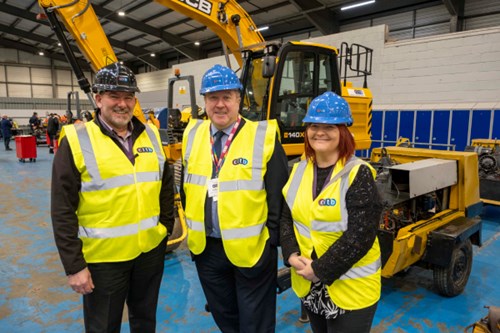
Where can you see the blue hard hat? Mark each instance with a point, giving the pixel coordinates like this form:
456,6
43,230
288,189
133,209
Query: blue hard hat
329,108
219,78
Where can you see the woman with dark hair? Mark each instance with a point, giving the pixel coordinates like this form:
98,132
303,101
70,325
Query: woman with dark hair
329,225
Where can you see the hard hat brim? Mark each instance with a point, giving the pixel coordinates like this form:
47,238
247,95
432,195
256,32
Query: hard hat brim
327,120
234,86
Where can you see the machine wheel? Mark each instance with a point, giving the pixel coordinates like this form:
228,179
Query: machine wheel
452,279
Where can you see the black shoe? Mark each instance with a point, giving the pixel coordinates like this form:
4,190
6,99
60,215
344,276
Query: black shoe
8,149
51,151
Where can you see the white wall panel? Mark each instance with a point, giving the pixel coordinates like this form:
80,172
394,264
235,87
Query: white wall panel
19,90
63,76
41,75
3,89
2,74
62,91
18,74
42,91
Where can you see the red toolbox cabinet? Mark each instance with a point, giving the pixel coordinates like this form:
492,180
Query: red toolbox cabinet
26,148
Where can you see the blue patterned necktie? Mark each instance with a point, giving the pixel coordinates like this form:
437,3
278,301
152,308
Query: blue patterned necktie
218,143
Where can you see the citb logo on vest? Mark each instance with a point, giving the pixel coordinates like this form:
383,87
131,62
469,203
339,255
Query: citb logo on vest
327,202
144,150
240,160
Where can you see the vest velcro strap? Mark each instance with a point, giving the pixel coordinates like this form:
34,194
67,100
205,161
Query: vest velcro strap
125,230
323,226
362,271
119,181
247,232
302,229
249,185
195,179
195,225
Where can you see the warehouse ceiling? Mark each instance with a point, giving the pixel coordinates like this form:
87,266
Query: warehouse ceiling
149,27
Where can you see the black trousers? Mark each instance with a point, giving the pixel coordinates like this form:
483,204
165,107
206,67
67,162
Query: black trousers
52,138
356,321
136,281
241,300
6,142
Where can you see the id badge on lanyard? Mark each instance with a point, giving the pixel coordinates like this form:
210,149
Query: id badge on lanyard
213,188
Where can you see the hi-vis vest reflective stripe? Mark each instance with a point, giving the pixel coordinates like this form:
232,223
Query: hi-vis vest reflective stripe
319,223
119,202
242,205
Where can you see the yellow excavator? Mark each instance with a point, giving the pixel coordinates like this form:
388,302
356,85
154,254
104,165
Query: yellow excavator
279,80
431,197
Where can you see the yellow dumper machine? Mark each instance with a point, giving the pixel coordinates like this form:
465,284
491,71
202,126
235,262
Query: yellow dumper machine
431,214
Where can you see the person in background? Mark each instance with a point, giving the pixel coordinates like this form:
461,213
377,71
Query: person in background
34,122
52,130
329,225
234,170
112,208
152,119
6,127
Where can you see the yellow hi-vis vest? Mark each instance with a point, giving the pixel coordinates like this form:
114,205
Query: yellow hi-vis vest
242,205
319,223
119,207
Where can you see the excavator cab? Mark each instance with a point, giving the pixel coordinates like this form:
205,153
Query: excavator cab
283,90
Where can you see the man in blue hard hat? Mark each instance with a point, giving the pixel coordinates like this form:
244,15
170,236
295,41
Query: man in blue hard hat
234,170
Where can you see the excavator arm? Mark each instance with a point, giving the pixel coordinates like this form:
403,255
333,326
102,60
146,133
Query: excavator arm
227,19
82,23
264,65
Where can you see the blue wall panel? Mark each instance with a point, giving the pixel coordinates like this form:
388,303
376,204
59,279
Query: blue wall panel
416,126
377,127
459,129
406,119
440,128
480,124
390,127
423,129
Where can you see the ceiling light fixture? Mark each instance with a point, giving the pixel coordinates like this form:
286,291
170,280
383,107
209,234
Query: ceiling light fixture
197,43
262,28
153,55
40,53
121,13
364,3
